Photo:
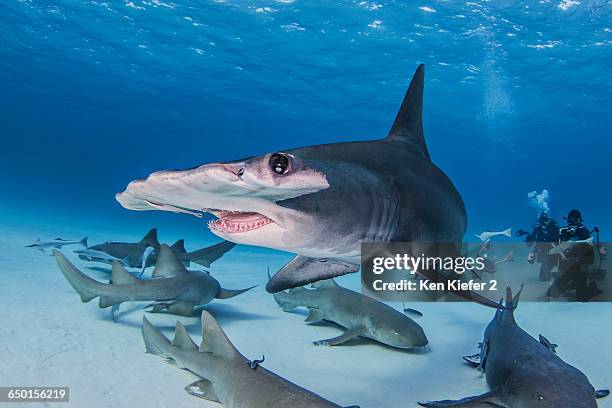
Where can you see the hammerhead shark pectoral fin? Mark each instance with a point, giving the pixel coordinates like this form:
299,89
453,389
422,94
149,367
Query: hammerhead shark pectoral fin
343,338
202,389
487,400
303,270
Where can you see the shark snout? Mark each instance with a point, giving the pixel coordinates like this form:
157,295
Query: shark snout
414,342
205,174
404,334
193,189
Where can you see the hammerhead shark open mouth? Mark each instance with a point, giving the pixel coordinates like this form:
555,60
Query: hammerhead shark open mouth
232,222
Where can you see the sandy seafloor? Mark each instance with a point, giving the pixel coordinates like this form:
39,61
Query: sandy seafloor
50,338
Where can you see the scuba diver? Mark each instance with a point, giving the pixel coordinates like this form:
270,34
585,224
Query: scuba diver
544,233
575,261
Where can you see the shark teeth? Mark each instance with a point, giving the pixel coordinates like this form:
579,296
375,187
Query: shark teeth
237,221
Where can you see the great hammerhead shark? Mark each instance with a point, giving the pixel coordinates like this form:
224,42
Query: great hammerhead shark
322,201
174,289
131,253
523,372
224,375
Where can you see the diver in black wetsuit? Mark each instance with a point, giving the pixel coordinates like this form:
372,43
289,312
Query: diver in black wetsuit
544,233
574,265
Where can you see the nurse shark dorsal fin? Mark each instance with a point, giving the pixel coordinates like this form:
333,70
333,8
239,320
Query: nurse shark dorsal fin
179,246
513,301
120,276
408,124
151,238
506,312
168,264
182,339
214,340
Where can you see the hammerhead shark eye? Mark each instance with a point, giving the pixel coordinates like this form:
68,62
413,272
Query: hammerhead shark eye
280,163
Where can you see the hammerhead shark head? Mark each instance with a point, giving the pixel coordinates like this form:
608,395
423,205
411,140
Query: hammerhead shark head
131,253
523,372
174,289
322,201
359,314
224,375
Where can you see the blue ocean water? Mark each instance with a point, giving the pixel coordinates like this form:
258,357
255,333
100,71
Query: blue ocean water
94,94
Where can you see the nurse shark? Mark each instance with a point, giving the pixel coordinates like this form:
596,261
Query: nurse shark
523,372
173,289
223,374
322,201
137,254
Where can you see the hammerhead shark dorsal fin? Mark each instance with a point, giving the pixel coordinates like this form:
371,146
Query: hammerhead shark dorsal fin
150,238
182,339
168,264
120,275
408,124
214,339
179,246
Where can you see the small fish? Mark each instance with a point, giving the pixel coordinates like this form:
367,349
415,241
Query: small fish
487,235
57,243
564,246
145,257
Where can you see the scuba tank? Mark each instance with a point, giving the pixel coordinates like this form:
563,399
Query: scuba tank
598,273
